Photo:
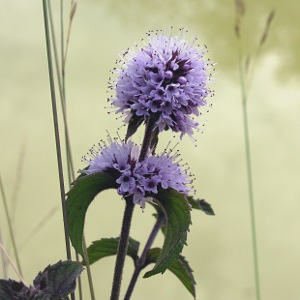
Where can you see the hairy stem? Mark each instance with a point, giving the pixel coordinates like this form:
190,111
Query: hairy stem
123,242
141,262
147,138
122,249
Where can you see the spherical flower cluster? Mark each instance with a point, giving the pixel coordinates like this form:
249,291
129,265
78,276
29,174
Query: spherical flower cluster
166,78
137,179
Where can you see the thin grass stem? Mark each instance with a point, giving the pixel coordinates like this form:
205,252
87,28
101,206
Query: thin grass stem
56,132
12,263
17,183
249,177
70,165
62,97
72,13
3,258
88,269
56,129
10,227
38,227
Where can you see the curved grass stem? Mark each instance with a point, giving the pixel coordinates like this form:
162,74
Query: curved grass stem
60,72
10,228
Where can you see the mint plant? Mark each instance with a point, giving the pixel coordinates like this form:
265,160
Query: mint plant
161,85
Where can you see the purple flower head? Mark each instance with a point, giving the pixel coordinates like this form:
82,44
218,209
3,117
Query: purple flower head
140,180
166,78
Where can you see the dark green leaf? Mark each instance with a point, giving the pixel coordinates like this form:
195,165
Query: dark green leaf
10,289
178,218
134,123
202,205
79,198
180,268
58,280
107,247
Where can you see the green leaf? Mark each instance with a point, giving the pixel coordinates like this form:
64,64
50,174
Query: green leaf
178,218
201,204
58,280
107,247
133,125
79,198
180,268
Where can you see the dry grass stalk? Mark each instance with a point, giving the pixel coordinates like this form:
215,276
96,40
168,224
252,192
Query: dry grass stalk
240,11
267,28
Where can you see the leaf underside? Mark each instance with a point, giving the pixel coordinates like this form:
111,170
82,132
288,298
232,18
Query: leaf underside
109,246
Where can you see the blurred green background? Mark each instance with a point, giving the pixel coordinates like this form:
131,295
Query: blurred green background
219,248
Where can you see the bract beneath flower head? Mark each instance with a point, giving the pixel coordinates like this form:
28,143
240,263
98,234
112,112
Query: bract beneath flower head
166,78
140,180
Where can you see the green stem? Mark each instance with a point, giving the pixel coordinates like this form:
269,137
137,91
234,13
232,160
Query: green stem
56,129
70,165
249,178
11,233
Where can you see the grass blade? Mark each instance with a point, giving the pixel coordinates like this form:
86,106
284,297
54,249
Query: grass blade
56,129
11,263
11,233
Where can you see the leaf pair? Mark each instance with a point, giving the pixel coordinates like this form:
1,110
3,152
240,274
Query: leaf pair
109,246
169,204
174,205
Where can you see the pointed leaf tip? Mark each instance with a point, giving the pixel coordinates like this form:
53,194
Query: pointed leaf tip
177,213
201,204
58,280
179,267
133,125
